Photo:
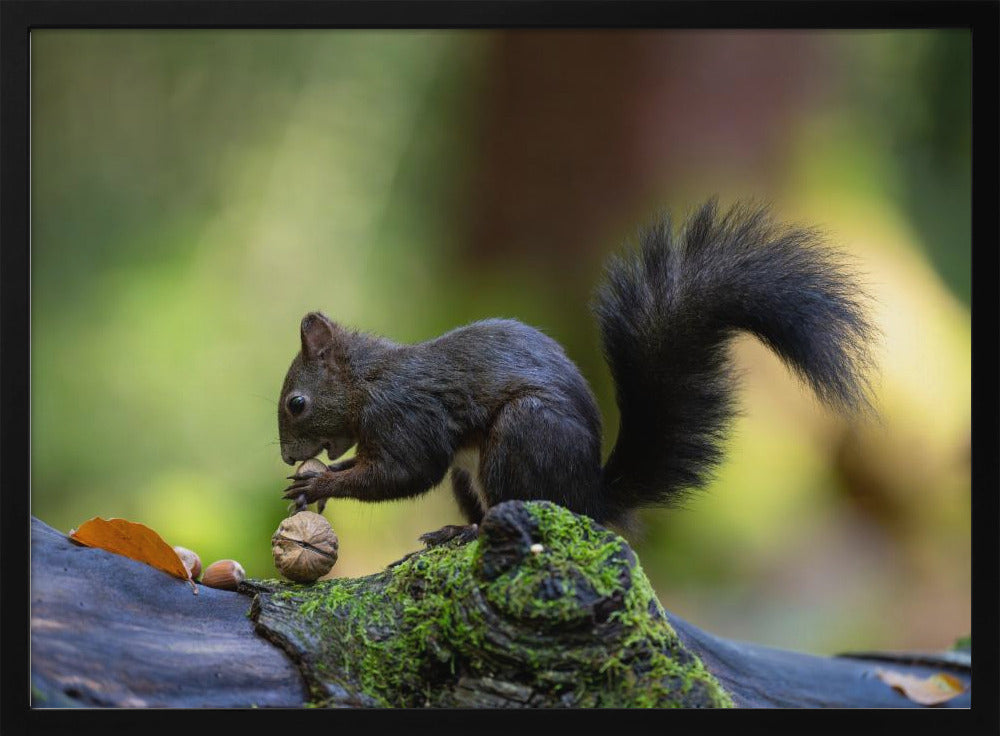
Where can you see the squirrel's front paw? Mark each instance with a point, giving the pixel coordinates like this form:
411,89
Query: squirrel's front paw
309,487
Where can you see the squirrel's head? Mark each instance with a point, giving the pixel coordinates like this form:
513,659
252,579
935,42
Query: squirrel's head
314,410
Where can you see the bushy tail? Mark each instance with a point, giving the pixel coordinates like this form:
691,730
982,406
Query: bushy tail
667,311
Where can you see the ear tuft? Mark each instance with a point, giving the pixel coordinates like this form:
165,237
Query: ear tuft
317,335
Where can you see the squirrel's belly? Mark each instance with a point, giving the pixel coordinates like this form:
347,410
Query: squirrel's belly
467,459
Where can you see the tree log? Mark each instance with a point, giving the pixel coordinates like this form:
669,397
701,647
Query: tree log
545,609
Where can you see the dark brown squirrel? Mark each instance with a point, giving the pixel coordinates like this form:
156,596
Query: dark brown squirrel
500,405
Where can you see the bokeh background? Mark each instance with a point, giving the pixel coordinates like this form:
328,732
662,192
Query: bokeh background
194,193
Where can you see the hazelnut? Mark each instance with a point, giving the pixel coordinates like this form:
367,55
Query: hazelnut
191,561
312,465
304,547
224,574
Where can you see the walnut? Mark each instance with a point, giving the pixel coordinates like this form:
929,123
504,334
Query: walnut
304,547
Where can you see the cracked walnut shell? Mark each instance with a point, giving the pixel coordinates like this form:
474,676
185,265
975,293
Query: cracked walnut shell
304,547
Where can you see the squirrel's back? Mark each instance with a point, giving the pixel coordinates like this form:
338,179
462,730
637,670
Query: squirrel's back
500,359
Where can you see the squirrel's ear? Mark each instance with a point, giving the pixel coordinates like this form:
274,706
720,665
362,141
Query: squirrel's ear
318,334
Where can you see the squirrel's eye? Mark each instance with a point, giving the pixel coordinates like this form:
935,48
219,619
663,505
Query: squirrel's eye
296,404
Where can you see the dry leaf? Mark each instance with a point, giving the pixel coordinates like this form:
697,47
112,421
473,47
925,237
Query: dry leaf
927,691
133,540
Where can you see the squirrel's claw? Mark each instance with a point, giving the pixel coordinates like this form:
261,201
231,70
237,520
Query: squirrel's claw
307,488
297,489
303,475
300,504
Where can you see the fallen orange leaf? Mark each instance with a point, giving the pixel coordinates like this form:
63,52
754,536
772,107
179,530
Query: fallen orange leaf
927,691
133,540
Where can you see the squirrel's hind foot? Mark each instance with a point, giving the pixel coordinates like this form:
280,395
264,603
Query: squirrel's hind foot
463,532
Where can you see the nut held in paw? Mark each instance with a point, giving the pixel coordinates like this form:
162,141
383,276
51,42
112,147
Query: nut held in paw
304,547
312,465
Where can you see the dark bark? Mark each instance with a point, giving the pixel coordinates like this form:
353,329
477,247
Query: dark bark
109,631
763,677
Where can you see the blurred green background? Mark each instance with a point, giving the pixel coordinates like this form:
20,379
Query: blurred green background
194,193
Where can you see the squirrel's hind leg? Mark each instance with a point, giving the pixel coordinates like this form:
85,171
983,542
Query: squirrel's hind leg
468,500
543,450
471,507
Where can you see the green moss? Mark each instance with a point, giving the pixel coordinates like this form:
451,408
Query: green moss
574,623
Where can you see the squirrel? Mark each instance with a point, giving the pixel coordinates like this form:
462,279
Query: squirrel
501,405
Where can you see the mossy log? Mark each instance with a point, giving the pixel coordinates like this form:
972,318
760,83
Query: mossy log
544,609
